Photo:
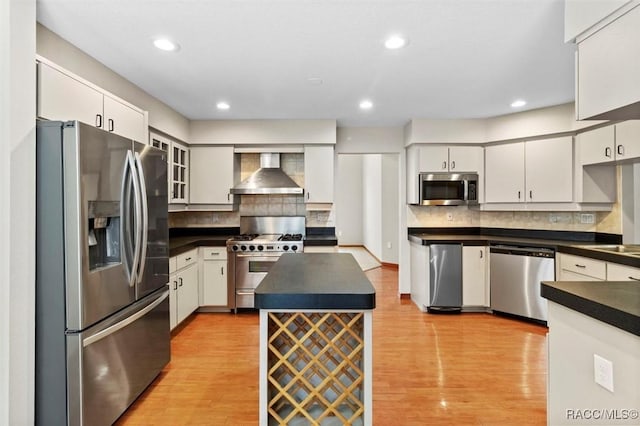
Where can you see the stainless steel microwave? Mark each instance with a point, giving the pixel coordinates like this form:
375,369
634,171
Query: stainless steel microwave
448,189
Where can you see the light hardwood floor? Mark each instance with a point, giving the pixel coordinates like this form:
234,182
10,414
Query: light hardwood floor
468,369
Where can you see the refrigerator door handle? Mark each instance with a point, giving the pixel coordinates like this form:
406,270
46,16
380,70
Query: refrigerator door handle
125,224
138,218
145,217
125,322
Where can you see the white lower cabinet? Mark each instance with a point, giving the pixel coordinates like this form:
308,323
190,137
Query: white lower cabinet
419,275
183,281
578,268
475,290
617,272
213,282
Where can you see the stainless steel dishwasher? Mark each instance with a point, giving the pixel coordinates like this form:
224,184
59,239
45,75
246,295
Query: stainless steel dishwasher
516,273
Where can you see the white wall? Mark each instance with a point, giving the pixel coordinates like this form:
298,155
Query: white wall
348,200
161,116
17,213
372,203
390,210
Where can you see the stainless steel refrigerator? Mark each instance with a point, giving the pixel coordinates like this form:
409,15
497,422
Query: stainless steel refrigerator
102,268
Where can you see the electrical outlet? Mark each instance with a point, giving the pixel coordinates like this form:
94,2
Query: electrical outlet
388,244
339,233
603,372
587,218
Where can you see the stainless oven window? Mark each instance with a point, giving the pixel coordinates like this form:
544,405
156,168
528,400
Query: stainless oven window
260,266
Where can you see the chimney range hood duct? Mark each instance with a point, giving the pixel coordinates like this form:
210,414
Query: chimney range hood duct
268,179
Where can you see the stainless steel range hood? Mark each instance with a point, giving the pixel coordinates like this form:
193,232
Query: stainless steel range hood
268,179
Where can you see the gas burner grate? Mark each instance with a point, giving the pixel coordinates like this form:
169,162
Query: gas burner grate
244,237
291,237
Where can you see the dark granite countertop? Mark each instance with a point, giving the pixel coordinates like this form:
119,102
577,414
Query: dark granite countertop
574,244
326,281
179,245
320,240
615,302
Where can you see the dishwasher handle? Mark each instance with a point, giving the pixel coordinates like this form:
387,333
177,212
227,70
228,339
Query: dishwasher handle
524,251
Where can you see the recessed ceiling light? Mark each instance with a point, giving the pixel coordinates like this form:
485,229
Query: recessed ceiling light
165,44
366,104
315,81
395,42
518,103
223,106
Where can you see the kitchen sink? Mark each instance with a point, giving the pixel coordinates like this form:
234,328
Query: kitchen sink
631,249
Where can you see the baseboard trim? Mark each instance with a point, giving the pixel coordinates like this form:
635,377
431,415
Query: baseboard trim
389,265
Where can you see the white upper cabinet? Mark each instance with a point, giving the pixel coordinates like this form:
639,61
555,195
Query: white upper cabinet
318,174
504,173
534,171
212,172
549,170
179,174
618,143
450,159
65,96
608,66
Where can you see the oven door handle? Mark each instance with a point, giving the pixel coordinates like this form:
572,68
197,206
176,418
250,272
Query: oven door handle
244,293
258,257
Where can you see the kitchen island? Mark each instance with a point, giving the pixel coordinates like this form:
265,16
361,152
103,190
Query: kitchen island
593,352
315,341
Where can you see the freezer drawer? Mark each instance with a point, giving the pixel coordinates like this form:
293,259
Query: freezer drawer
109,365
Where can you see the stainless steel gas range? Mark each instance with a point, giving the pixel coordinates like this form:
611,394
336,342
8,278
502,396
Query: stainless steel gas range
262,241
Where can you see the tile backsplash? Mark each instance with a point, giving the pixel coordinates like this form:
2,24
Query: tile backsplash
461,216
259,205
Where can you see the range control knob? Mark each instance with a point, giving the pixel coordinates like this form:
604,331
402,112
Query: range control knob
285,248
260,248
294,248
252,248
243,247
234,248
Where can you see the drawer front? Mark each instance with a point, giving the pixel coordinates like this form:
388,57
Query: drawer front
617,272
214,253
173,264
584,266
186,259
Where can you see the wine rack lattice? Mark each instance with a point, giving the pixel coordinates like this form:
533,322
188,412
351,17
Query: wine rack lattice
315,368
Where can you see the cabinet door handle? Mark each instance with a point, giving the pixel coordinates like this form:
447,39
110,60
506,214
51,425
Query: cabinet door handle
518,195
222,270
175,285
180,279
228,196
98,120
453,164
307,195
531,194
620,149
111,125
481,254
214,253
634,278
580,266
187,259
607,152
444,165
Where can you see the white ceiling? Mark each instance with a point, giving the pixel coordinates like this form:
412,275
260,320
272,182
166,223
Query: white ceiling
465,58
